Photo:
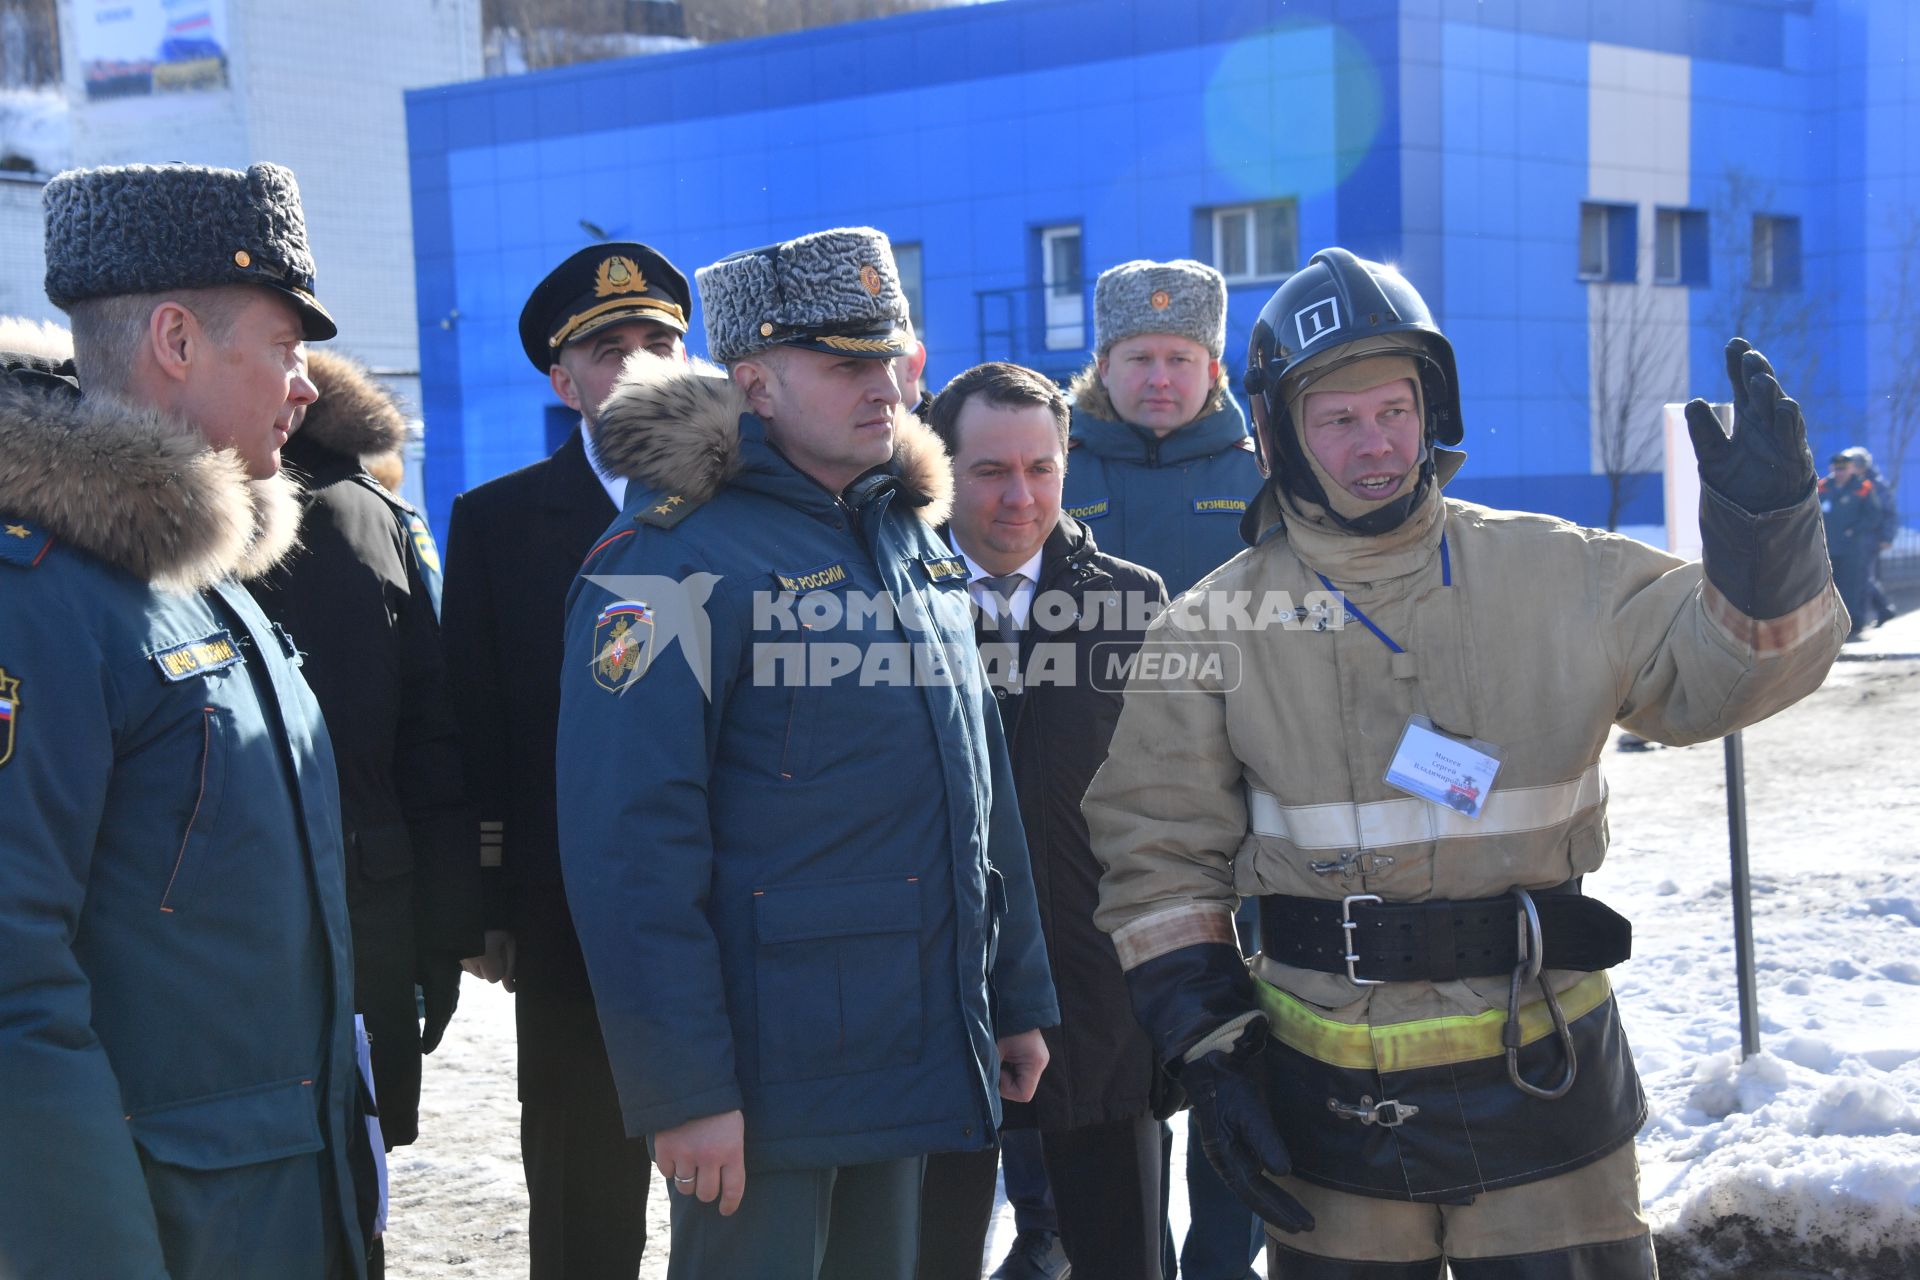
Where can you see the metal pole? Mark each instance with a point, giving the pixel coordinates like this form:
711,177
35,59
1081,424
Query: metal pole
1742,899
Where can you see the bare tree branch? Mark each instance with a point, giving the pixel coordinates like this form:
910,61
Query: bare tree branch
1899,394
1636,356
1787,322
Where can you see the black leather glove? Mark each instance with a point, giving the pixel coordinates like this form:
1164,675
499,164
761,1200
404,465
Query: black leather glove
438,973
1237,1131
1181,998
1765,465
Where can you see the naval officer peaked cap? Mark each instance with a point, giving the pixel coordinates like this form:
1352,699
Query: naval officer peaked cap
600,286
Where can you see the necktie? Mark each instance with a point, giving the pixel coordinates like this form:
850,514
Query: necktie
1005,670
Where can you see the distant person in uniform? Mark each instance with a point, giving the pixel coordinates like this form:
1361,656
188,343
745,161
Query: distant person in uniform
1162,470
1162,465
1878,603
1851,510
910,371
513,547
181,1096
801,886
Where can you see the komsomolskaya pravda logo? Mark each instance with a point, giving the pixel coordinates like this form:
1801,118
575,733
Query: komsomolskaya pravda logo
812,631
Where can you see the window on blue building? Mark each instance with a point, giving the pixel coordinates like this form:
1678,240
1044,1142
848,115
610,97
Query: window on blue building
1609,235
1680,251
1255,241
1062,288
907,258
1776,251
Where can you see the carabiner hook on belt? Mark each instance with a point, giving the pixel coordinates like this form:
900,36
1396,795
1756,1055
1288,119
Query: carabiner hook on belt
1531,952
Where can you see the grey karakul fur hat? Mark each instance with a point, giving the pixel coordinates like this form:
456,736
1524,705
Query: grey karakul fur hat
143,228
836,291
1182,297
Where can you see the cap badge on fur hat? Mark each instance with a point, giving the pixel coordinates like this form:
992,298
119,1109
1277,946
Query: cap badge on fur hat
870,279
1160,300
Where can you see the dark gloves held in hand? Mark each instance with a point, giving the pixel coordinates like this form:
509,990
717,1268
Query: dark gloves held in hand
1236,1128
1765,465
439,978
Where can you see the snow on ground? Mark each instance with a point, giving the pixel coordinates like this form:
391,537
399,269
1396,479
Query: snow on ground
1803,1161
1809,1153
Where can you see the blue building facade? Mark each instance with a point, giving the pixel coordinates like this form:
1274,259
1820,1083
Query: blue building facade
1591,194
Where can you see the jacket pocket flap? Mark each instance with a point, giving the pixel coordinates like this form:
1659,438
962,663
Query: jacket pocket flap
383,852
837,908
251,1126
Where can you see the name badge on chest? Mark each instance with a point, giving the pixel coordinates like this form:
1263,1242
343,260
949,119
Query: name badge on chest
200,657
944,568
822,577
1455,773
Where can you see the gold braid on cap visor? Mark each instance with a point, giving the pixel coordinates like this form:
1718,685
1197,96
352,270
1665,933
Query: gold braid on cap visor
618,309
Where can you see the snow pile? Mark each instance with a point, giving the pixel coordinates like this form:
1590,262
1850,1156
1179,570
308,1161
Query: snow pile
33,131
1805,1159
1810,1144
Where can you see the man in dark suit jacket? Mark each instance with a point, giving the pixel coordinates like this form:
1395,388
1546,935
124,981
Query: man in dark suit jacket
1054,611
514,545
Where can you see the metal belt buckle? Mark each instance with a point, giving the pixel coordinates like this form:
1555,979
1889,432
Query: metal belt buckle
1348,924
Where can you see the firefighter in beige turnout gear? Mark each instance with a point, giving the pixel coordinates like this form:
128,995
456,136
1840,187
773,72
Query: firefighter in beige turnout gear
1426,1060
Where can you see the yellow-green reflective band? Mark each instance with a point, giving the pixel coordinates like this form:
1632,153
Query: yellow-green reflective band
1427,1042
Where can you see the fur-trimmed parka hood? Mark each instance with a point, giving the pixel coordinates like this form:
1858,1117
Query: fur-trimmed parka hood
138,488
354,415
676,428
1089,394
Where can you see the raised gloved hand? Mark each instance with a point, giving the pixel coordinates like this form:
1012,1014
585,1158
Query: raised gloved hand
1765,465
438,973
1182,998
1237,1130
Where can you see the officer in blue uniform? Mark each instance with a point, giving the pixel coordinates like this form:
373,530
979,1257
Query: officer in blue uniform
787,821
1851,510
1162,470
1162,466
176,986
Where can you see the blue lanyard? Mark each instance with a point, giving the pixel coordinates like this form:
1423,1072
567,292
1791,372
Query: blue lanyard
1446,580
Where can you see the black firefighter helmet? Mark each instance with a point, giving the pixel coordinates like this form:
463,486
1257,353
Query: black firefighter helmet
1335,301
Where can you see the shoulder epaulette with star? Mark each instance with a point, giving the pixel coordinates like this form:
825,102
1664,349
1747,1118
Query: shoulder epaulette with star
22,544
666,510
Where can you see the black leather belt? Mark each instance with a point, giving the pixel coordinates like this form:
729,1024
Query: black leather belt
1372,941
